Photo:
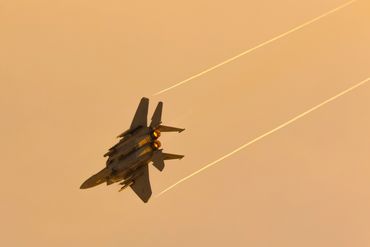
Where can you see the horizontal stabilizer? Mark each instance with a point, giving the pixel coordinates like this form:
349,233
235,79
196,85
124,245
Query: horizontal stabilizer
158,160
163,128
167,156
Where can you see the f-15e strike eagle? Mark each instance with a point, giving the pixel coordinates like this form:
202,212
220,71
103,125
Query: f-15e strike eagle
128,160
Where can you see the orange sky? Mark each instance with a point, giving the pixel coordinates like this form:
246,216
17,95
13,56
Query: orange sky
73,72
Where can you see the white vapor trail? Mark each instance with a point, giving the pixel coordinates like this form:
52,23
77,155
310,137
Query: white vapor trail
266,134
257,47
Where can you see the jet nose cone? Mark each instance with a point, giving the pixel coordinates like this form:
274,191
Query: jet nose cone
91,182
88,184
96,179
85,185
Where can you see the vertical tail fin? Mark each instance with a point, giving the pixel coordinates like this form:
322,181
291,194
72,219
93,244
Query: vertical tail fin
141,115
140,118
157,116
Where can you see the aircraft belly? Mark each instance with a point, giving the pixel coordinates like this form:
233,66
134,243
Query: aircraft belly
128,147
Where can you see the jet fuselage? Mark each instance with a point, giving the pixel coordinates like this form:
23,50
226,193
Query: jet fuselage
128,160
123,167
130,143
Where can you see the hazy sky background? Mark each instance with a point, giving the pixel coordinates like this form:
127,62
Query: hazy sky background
72,73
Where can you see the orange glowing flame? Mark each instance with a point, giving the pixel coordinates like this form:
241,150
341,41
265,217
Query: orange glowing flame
156,144
156,134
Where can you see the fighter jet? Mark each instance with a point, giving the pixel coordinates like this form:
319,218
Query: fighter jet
128,160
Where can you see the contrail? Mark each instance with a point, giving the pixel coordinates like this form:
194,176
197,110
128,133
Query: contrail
257,47
266,134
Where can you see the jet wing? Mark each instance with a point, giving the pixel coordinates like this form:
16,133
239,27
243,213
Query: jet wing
141,115
141,185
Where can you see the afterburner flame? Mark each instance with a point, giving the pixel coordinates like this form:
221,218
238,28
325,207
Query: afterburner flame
156,144
156,134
